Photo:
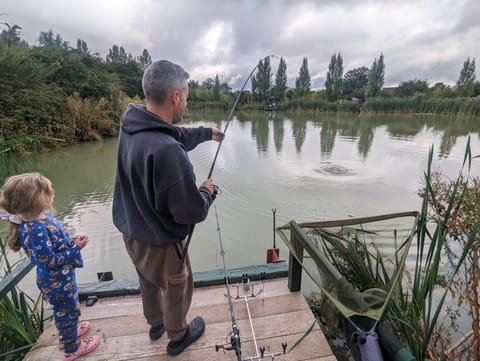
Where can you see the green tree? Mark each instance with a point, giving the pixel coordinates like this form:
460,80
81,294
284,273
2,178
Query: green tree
117,54
376,77
129,75
355,81
47,38
440,90
82,46
145,59
280,80
216,89
261,82
334,81
11,35
412,87
302,83
466,81
193,90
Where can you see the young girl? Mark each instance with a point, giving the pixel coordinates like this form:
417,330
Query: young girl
28,198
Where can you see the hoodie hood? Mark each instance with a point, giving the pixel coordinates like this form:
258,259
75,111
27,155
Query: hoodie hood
137,118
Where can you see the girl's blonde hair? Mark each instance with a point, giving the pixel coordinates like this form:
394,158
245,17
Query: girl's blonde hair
25,195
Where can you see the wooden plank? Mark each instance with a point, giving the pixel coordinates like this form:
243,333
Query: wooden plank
280,316
201,279
114,326
290,327
205,296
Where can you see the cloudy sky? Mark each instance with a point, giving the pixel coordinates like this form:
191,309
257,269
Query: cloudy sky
420,39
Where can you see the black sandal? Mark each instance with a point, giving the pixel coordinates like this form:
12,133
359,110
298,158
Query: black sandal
194,330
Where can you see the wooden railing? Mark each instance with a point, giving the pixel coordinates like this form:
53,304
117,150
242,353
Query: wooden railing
14,277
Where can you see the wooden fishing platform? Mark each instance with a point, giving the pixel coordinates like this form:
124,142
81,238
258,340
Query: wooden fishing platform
278,316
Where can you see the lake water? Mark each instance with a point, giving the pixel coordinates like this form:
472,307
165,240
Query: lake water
307,167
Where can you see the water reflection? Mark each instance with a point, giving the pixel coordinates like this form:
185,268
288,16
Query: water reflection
353,127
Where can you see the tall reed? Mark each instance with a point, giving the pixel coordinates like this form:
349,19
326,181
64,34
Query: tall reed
419,303
21,318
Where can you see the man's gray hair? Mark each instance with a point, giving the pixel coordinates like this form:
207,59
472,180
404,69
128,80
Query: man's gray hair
162,77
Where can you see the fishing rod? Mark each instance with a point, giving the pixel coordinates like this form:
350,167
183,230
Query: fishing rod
235,343
229,118
247,286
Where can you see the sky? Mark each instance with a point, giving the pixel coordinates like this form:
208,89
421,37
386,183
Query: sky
420,39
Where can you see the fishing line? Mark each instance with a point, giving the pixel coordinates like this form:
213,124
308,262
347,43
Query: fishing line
229,118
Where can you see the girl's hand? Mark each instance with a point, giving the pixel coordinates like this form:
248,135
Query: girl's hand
81,241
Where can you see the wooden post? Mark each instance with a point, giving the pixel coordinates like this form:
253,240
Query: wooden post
294,266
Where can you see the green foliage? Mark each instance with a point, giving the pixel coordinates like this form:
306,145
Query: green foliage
421,104
21,319
421,303
48,39
354,82
216,89
302,83
210,91
412,87
440,90
261,83
129,75
449,214
376,77
280,80
37,82
117,54
466,81
10,35
317,105
334,81
145,59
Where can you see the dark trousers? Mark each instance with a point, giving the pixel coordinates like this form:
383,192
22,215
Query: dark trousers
166,294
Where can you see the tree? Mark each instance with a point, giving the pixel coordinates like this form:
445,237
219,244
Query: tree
376,77
355,81
261,83
440,90
412,87
334,81
280,80
466,81
117,54
47,38
145,59
302,83
216,89
82,46
11,35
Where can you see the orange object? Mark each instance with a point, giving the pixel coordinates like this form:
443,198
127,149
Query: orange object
272,255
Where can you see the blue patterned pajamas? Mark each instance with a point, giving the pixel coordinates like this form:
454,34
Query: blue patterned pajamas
49,247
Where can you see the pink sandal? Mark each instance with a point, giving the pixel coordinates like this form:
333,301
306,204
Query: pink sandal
86,346
82,328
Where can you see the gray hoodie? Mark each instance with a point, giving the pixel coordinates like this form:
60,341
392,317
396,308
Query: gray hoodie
155,199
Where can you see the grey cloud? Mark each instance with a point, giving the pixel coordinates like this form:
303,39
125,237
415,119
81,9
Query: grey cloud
432,45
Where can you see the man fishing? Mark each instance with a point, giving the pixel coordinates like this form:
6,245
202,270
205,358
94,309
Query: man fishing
156,201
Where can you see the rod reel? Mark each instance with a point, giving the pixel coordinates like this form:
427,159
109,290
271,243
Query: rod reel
248,288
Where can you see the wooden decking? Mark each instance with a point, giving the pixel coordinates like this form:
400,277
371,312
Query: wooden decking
278,316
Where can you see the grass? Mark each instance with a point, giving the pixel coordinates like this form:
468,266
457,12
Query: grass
21,318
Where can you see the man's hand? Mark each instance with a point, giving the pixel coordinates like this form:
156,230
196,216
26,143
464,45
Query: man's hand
208,184
217,134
